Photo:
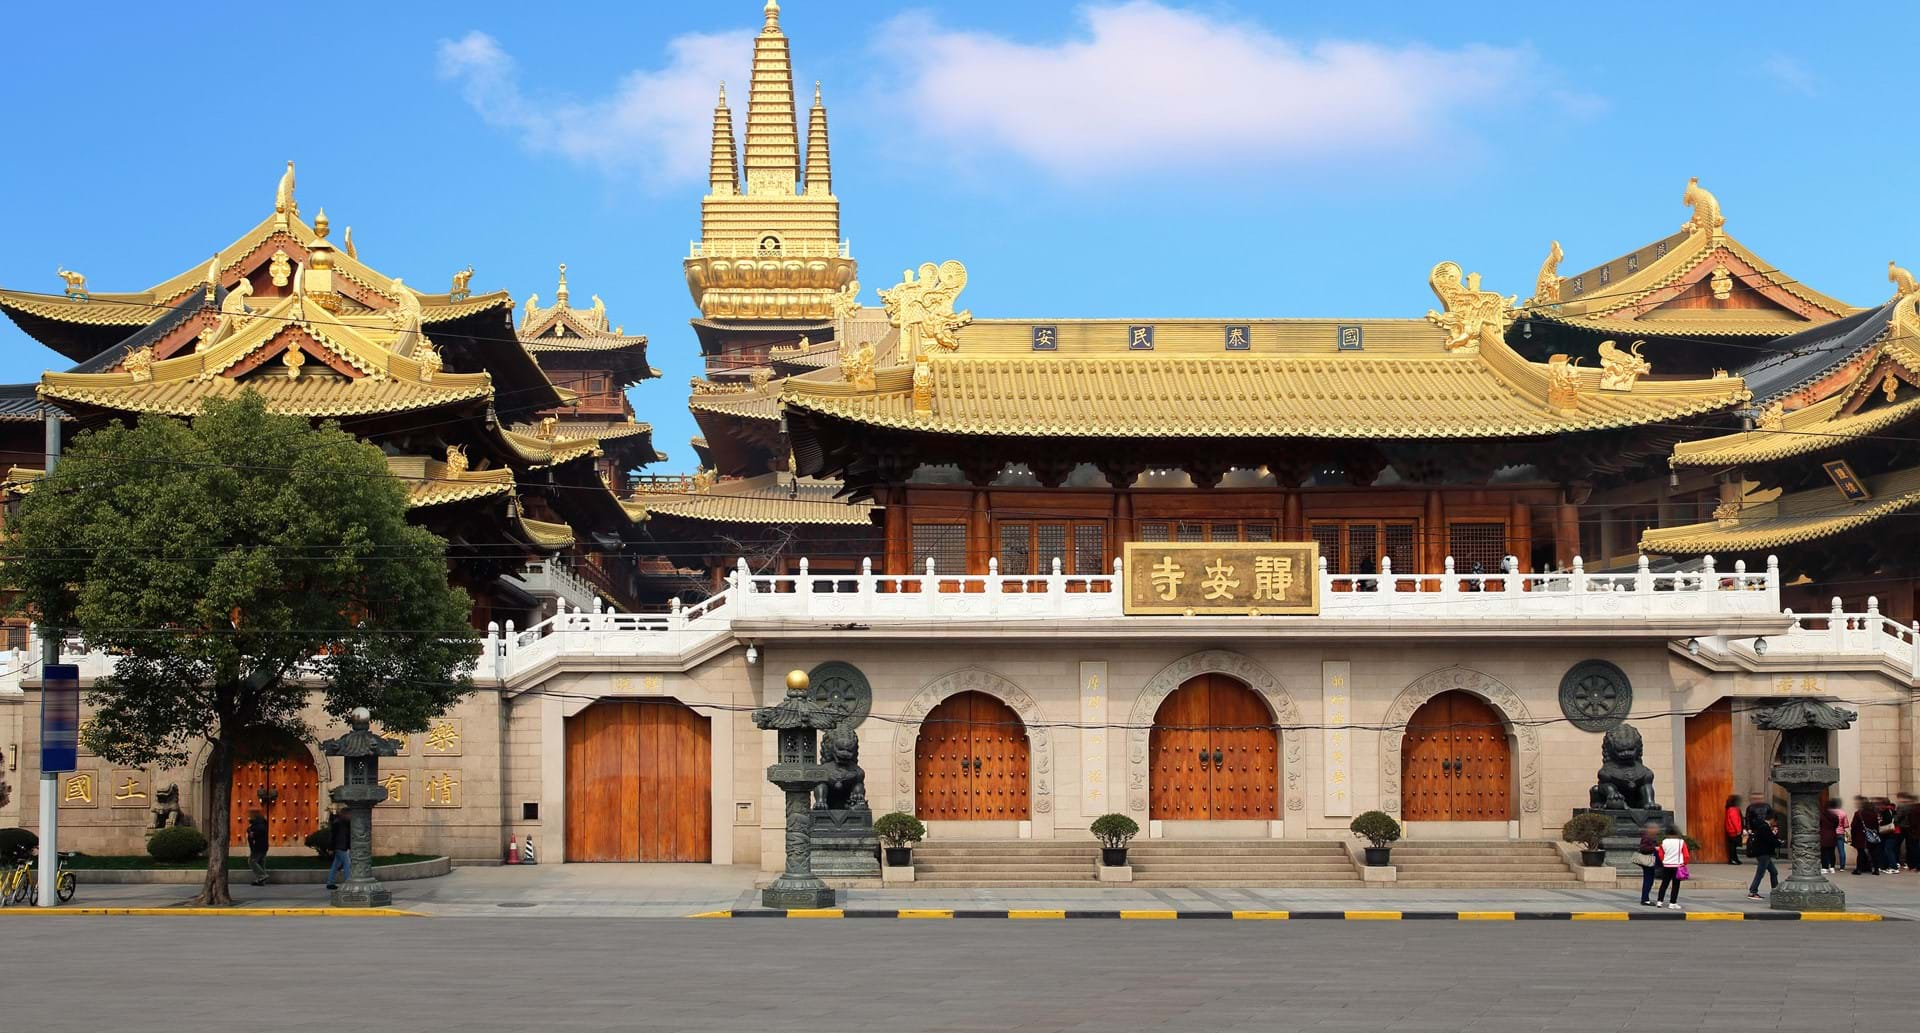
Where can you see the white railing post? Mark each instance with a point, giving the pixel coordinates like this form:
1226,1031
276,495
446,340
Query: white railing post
1513,585
1449,583
993,584
1643,578
865,584
1739,574
492,648
1385,584
1708,579
1577,583
676,615
1057,588
928,588
804,587
510,644
1326,583
1913,657
1773,577
1837,626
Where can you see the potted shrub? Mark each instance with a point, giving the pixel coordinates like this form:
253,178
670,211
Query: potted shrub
176,843
898,833
1379,830
1114,831
1590,830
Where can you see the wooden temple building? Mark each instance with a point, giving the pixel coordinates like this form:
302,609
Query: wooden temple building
511,468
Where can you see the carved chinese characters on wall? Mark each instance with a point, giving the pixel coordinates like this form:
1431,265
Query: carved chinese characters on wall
440,788
1223,577
1095,793
442,738
80,789
1336,677
129,788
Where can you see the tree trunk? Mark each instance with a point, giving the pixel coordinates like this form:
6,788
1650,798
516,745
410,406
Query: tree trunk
218,823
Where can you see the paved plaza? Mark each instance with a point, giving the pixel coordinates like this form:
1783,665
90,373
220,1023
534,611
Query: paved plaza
457,974
672,890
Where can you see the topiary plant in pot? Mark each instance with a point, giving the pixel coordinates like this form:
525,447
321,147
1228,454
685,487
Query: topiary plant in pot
1114,831
176,843
1379,830
898,832
1590,830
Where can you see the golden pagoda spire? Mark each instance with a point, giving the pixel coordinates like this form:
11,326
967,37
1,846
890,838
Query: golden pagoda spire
560,293
819,164
773,128
723,174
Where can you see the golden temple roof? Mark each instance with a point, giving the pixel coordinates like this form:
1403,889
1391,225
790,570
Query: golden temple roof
431,482
1790,519
545,533
1292,381
1815,428
764,499
743,401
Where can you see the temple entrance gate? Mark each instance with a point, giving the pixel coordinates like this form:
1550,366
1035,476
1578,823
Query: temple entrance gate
1456,762
639,782
1214,754
971,761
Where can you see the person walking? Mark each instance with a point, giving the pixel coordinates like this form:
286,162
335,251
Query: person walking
340,831
1833,845
1759,811
1734,825
1907,817
1646,857
1673,871
257,846
1864,834
1889,835
1762,844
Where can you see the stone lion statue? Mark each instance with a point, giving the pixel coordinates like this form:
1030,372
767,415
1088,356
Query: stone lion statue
166,804
840,752
1625,781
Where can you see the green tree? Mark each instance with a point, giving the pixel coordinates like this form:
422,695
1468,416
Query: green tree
236,565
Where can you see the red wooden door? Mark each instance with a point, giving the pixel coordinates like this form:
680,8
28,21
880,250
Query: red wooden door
639,783
1455,762
1180,752
283,767
1709,778
1246,755
971,761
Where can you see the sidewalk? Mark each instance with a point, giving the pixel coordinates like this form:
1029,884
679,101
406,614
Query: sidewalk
679,890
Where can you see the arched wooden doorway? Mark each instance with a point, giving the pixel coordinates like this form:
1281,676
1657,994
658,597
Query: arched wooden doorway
970,761
1214,753
1456,763
639,783
274,772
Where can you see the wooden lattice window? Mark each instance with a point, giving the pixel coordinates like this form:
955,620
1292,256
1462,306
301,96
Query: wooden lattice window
1031,547
944,544
1477,545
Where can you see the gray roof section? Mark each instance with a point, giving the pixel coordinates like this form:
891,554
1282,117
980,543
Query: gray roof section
1810,354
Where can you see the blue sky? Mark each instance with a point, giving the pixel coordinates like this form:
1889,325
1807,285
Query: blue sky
1102,159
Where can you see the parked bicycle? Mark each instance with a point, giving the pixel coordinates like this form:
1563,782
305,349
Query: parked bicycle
21,883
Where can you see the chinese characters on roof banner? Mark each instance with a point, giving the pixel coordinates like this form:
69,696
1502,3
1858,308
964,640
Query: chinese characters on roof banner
1222,577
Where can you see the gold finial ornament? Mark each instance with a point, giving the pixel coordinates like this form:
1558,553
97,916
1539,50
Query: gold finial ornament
1563,382
76,283
549,426
1773,417
1706,209
430,363
284,205
703,479
1890,386
1902,280
921,307
1546,287
772,11
407,314
320,224
461,279
346,242
560,292
533,306
1471,316
213,277
281,268
456,460
1721,283
139,363
797,680
234,314
1728,512
760,377
856,367
1619,369
294,358
923,386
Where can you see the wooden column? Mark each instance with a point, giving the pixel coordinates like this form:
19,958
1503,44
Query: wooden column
1520,534
899,532
979,534
1294,525
1122,523
1566,534
1434,535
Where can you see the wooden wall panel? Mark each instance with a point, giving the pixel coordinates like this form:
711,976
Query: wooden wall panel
639,783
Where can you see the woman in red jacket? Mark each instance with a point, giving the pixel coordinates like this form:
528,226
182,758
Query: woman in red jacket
1734,824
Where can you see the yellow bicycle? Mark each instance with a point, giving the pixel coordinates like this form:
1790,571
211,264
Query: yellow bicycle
21,884
14,882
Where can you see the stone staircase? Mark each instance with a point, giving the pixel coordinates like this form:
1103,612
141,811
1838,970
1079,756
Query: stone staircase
989,863
1295,864
1484,865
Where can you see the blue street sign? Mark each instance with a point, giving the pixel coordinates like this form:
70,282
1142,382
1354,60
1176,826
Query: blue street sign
59,717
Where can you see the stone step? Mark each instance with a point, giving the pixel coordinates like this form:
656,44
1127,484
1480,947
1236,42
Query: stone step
1291,884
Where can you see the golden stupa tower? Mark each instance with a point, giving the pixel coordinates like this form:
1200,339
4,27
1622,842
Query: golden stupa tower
770,246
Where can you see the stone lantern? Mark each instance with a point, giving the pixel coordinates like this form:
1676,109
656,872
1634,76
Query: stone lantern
361,750
1801,767
797,721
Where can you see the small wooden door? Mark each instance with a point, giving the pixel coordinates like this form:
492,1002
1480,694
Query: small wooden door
1709,778
639,783
1213,754
971,761
283,767
1455,762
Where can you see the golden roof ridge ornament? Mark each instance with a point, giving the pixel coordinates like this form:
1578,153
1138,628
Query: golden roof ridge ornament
346,242
1546,286
1563,382
76,283
1471,316
1902,280
284,206
856,367
921,307
560,292
1620,369
461,279
1706,209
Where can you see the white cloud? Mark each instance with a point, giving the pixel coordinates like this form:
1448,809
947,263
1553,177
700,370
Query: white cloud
1147,86
655,124
1789,73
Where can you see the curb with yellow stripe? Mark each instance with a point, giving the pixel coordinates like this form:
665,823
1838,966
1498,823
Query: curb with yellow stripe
1350,916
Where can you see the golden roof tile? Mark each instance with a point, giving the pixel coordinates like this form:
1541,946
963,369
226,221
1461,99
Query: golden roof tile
546,534
765,499
308,396
1812,429
1789,520
1408,386
431,482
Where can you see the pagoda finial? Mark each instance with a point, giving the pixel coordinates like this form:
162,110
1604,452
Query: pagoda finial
320,224
819,176
816,93
723,169
773,16
773,127
560,293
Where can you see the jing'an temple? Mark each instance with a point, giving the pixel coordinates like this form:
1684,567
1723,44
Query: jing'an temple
1239,579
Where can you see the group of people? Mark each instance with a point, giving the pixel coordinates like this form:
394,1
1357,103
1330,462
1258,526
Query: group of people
339,839
1884,834
1663,857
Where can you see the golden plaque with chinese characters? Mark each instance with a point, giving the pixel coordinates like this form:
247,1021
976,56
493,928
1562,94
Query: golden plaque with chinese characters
1222,577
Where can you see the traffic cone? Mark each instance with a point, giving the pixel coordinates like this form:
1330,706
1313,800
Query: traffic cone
526,851
513,849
